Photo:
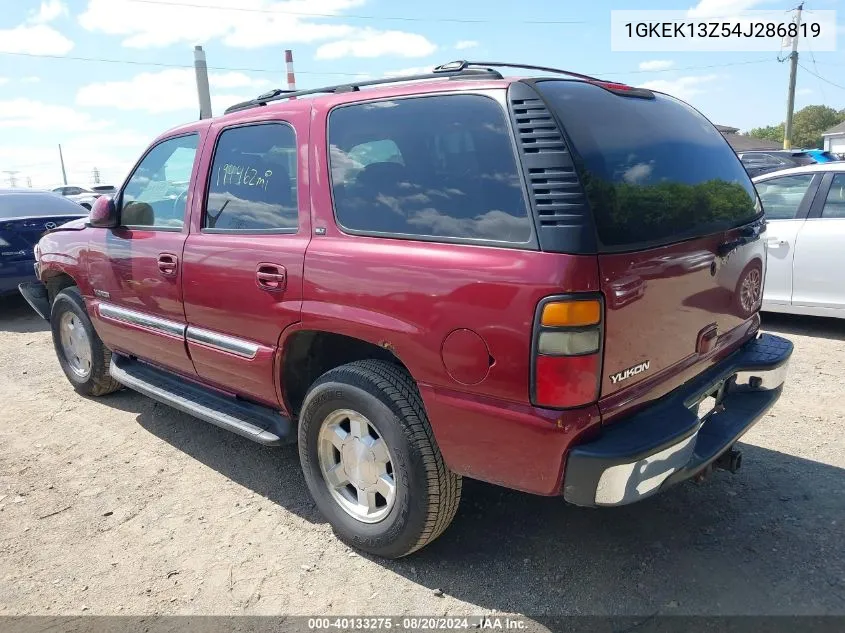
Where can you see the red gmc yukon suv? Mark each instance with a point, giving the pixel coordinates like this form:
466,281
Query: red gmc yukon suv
547,283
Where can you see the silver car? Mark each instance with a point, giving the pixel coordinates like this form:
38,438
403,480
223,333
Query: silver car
84,196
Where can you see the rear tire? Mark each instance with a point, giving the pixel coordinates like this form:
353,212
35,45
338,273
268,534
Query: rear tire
81,353
382,402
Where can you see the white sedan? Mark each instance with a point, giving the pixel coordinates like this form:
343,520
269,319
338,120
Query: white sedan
805,210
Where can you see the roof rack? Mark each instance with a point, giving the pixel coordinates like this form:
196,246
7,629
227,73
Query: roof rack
278,95
467,65
459,68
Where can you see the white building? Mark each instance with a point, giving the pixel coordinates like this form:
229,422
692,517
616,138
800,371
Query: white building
834,139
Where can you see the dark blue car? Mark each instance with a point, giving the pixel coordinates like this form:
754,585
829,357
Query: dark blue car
25,215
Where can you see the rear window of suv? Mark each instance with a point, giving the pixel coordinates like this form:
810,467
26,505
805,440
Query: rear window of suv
655,171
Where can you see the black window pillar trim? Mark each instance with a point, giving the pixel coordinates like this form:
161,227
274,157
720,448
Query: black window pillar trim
578,236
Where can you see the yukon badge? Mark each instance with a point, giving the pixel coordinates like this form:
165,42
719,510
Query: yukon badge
631,371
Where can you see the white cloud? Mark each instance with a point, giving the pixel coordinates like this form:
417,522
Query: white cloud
657,64
31,79
36,115
38,39
638,173
372,43
49,11
722,8
158,25
464,44
4,80
168,91
683,87
414,70
262,23
267,33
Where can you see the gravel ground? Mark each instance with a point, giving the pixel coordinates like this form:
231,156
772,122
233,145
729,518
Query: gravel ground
120,505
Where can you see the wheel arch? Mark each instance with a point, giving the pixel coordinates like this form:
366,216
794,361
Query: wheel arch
307,354
55,281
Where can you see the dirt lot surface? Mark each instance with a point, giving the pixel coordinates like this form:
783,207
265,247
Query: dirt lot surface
120,505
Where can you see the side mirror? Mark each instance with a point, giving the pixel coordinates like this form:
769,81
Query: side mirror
103,213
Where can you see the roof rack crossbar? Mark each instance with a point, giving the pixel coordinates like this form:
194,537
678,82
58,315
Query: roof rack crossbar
278,95
464,64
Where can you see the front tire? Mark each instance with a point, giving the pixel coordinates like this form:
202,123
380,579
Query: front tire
371,462
81,353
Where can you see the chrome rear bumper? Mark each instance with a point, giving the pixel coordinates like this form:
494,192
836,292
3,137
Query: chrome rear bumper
668,442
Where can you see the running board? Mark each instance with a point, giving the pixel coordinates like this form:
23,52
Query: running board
252,421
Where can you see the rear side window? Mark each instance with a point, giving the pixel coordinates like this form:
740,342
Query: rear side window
428,167
782,196
655,171
834,205
252,184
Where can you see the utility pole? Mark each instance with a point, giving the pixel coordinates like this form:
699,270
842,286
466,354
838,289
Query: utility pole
62,161
793,69
13,181
201,71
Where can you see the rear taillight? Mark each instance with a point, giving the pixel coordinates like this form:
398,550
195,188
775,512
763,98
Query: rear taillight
566,354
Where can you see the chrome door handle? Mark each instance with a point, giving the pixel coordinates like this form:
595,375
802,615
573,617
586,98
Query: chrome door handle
776,242
167,263
272,277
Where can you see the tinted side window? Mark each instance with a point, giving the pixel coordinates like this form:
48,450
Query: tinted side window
834,205
781,197
439,167
252,185
157,191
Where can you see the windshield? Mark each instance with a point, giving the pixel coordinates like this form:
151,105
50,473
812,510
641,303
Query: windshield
655,171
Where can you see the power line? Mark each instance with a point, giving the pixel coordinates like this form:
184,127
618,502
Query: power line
815,66
827,63
166,65
669,70
345,16
822,78
307,72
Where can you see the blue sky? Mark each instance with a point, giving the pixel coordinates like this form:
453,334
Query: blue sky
105,113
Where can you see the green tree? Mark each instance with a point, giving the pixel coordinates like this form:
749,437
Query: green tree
809,123
769,133
807,126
